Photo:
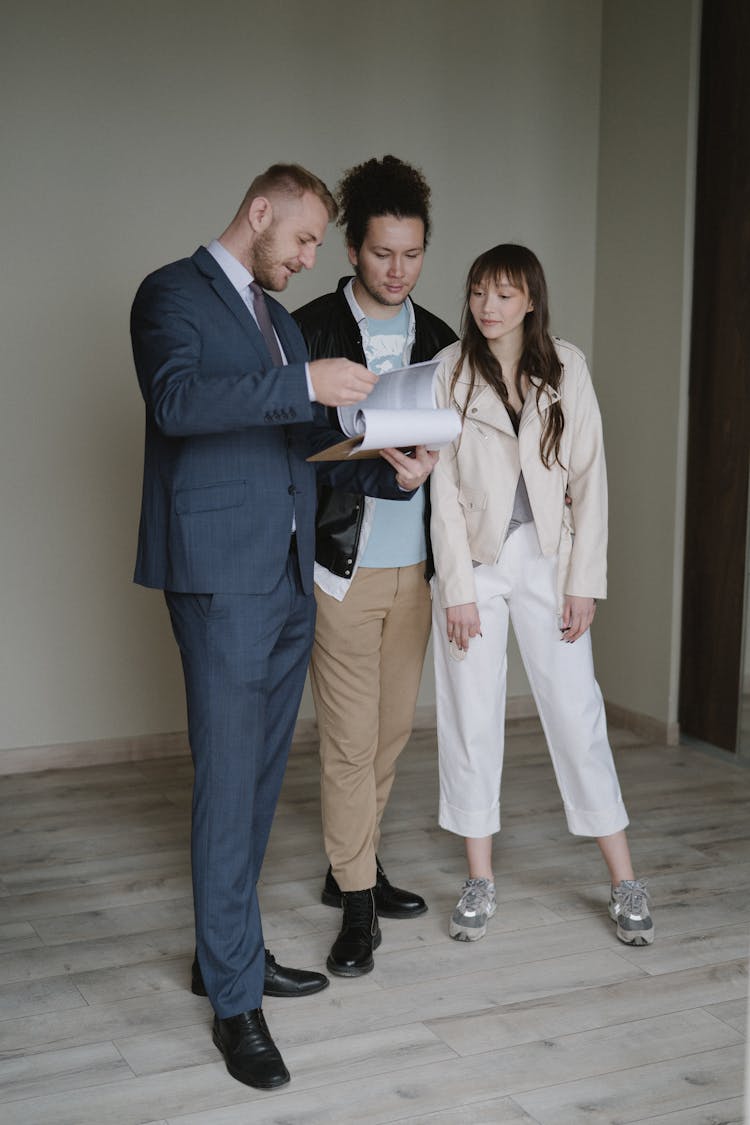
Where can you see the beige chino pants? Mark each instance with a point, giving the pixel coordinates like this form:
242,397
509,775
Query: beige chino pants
365,673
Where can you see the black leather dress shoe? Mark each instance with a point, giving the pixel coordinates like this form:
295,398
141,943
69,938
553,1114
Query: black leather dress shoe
280,981
249,1051
277,980
351,953
390,902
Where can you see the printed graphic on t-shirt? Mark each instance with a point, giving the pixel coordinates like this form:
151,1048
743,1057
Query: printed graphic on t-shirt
384,342
383,353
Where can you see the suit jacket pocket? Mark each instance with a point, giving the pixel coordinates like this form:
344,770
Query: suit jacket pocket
210,497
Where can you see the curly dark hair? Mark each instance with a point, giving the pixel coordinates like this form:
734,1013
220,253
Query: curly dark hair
381,187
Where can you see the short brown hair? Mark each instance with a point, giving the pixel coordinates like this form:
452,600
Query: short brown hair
291,180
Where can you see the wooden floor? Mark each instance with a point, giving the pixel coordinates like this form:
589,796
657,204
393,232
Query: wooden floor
548,1020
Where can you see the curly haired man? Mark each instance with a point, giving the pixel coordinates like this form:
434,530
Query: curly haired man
373,559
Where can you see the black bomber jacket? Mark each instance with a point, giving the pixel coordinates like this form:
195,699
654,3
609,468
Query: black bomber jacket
331,330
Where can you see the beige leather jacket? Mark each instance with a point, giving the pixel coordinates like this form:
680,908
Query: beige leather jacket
474,482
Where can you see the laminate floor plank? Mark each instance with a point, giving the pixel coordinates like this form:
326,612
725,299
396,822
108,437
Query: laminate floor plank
91,954
549,1020
51,876
733,1012
729,1112
17,935
62,902
674,1087
458,1083
115,921
498,1111
588,1008
57,1071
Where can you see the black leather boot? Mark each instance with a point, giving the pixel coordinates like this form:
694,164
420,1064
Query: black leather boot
351,953
390,901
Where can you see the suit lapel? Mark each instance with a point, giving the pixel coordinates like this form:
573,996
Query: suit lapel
227,293
280,318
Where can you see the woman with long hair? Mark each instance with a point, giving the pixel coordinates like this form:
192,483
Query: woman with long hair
519,534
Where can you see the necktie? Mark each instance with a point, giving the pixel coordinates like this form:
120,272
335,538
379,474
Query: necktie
263,318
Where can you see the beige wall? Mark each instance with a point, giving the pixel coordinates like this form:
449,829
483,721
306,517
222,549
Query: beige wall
641,338
130,135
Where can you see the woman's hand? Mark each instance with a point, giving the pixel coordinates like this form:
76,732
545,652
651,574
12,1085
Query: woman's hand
577,615
462,624
412,469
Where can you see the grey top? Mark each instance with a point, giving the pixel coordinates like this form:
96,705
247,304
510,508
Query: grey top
521,507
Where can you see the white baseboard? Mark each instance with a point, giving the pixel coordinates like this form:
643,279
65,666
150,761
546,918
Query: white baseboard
98,752
653,730
104,751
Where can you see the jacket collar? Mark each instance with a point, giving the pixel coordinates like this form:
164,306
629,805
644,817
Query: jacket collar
493,411
222,286
533,409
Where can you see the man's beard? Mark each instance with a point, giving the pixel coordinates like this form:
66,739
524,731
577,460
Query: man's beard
266,266
382,298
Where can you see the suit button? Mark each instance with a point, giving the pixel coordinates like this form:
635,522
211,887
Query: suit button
291,490
347,573
350,561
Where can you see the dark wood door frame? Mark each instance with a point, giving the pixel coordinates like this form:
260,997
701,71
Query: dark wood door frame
719,412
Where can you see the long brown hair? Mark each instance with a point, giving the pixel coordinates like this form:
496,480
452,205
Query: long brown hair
539,359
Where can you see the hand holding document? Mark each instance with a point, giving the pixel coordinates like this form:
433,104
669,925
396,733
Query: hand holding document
399,412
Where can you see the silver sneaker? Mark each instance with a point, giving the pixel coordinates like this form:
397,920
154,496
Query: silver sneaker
476,904
629,908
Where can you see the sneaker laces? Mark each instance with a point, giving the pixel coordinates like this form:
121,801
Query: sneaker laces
474,893
633,896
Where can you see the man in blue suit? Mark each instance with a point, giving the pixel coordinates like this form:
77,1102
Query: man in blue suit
233,411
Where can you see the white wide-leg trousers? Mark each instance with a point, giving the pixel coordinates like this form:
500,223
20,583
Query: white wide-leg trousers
522,587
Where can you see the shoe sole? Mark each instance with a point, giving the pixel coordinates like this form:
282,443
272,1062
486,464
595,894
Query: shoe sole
638,937
239,1076
461,933
633,937
276,992
283,994
354,971
330,899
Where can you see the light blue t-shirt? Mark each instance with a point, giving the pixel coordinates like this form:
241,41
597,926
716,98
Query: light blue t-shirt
397,535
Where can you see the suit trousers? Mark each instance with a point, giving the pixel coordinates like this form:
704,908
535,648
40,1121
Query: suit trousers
365,674
244,658
521,587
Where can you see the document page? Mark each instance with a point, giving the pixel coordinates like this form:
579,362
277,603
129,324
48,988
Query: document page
400,411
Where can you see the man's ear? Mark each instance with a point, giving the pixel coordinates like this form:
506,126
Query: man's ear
352,255
260,214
